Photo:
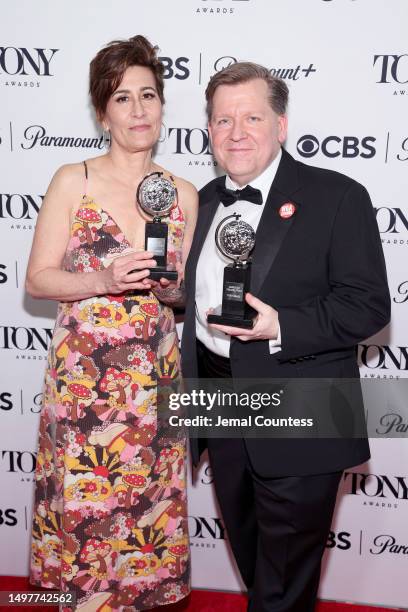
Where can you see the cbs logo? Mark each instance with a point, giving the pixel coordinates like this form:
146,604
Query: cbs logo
8,517
6,401
340,540
3,274
176,68
336,146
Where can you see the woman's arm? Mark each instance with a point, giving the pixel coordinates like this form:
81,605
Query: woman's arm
45,279
172,293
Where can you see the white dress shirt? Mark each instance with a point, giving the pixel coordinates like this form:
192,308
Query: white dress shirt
211,263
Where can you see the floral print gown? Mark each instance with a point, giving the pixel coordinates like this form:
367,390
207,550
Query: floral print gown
110,504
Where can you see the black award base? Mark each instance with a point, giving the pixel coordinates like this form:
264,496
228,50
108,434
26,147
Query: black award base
157,273
235,311
156,234
221,319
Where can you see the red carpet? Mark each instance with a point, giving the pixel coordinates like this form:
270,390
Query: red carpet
200,601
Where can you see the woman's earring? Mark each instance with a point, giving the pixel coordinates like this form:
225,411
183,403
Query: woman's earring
106,136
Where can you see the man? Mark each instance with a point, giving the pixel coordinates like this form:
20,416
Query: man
318,287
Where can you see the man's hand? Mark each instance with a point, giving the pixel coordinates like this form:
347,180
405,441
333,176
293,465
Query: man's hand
266,324
170,292
165,283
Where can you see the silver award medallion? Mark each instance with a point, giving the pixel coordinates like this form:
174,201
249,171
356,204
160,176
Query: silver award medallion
235,239
156,195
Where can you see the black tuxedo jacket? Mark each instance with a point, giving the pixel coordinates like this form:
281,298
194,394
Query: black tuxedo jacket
323,270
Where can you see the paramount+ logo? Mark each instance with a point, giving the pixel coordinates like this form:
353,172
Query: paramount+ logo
387,544
402,293
337,146
36,135
293,73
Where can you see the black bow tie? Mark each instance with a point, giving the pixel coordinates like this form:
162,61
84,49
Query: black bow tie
229,197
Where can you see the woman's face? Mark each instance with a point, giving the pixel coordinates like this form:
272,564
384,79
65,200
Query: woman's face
134,111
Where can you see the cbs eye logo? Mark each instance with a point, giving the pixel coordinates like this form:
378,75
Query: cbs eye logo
308,145
336,146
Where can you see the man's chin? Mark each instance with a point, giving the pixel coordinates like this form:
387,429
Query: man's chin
242,176
239,167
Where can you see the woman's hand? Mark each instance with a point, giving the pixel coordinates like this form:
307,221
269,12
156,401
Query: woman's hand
127,273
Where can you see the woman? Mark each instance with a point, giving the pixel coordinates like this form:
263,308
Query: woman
110,506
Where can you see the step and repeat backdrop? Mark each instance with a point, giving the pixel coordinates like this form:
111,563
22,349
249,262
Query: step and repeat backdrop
346,65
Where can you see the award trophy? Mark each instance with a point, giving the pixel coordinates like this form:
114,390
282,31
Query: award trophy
235,239
156,196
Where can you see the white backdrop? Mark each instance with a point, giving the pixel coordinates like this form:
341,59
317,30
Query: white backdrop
346,64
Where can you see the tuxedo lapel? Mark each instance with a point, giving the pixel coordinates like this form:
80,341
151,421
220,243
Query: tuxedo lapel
273,226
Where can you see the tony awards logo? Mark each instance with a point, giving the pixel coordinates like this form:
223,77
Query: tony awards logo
156,196
235,239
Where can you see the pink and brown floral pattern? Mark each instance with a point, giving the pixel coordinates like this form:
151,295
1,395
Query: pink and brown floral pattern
110,508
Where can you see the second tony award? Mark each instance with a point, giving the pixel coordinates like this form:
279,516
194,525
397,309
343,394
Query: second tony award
235,239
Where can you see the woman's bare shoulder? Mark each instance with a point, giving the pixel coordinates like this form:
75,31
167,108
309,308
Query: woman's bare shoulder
69,175
186,190
75,174
66,187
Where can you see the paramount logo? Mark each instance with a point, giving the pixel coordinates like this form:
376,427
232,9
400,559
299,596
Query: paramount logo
36,135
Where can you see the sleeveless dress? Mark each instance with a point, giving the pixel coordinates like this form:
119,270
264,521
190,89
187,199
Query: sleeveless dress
110,518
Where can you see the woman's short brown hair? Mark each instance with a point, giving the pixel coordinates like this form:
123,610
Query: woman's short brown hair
110,63
241,72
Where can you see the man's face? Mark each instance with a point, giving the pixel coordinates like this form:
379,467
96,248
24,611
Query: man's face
245,132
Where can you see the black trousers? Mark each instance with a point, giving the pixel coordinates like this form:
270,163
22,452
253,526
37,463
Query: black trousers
277,527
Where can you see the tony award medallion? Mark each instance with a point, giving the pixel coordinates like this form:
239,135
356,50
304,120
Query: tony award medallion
156,196
235,239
